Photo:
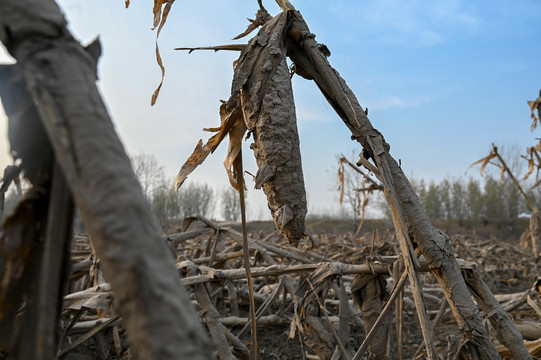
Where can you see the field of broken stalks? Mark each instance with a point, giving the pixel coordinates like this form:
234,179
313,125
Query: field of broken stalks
313,302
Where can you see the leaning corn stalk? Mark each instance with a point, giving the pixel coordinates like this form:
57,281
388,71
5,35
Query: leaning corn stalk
414,226
262,103
60,76
263,81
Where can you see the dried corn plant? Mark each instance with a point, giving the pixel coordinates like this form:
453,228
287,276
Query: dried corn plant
362,194
533,157
60,130
535,105
262,103
309,292
260,74
533,153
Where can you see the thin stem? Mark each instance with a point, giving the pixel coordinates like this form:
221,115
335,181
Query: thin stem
254,348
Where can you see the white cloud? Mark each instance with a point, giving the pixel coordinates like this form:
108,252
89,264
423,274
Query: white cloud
382,103
414,22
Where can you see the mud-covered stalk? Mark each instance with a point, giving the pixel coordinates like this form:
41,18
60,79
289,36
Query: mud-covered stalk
263,81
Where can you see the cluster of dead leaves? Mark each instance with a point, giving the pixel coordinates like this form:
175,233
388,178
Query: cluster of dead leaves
533,153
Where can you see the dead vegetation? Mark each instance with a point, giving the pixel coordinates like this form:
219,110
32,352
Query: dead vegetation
320,301
335,299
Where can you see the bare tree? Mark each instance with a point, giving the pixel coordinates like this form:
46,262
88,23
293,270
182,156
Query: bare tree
230,204
192,199
148,171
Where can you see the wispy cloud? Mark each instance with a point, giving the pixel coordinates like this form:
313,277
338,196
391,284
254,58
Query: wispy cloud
414,22
382,103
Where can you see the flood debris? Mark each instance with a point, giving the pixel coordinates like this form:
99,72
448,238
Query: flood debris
349,297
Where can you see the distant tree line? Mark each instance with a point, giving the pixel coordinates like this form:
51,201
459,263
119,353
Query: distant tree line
192,198
473,199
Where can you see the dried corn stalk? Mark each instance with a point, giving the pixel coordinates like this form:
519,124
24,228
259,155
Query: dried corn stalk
262,79
262,102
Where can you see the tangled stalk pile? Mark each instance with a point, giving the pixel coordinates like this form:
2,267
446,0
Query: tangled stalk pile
317,302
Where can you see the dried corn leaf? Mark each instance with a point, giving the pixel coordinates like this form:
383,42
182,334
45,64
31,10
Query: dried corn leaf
534,161
534,105
319,337
158,15
97,298
235,144
484,161
261,17
534,348
318,282
157,11
162,68
200,153
531,164
341,184
366,199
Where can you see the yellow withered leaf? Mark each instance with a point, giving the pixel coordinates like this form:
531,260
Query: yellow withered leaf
530,167
235,142
534,105
160,19
485,161
162,68
534,160
341,179
157,11
534,348
201,151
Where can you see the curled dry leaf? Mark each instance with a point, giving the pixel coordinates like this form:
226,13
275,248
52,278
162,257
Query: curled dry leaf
160,19
341,184
157,11
534,162
261,17
235,143
200,153
535,105
162,68
484,161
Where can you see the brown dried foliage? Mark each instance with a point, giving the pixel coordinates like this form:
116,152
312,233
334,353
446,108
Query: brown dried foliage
262,103
310,279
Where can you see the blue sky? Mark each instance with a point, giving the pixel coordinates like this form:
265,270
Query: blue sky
442,80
